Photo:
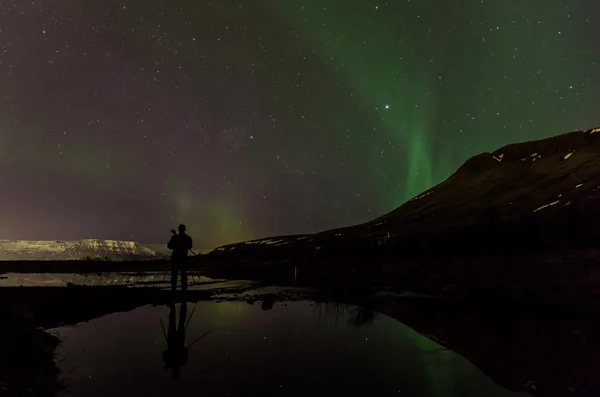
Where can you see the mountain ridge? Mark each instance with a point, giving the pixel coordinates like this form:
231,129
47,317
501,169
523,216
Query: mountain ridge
541,186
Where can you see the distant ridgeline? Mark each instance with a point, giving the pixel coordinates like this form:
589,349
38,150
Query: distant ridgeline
525,197
75,250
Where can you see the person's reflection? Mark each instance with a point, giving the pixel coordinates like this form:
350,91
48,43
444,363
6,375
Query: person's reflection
176,355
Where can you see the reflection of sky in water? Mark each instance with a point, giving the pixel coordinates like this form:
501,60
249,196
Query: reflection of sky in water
154,279
296,348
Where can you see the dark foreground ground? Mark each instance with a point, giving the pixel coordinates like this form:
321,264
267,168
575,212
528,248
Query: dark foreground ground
545,350
558,277
530,323
82,266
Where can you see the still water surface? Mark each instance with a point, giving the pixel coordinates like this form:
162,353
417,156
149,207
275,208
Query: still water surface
237,349
138,279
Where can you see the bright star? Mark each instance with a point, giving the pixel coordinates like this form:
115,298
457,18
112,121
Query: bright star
387,106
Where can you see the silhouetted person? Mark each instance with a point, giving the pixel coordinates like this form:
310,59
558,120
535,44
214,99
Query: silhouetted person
176,355
180,244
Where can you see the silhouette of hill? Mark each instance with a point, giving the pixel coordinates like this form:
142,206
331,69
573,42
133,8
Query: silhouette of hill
524,197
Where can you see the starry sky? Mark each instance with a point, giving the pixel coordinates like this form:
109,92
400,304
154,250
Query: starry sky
121,119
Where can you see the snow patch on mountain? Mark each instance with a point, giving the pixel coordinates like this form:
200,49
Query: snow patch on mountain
275,242
422,196
547,205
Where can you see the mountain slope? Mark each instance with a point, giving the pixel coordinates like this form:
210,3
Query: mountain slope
525,196
70,250
520,179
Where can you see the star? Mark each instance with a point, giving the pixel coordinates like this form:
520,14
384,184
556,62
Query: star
165,93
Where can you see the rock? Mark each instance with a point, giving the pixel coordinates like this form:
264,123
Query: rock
267,303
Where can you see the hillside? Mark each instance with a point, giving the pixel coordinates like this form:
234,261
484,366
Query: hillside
525,197
71,250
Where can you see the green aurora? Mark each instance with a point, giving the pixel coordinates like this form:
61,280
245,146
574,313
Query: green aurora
413,64
273,117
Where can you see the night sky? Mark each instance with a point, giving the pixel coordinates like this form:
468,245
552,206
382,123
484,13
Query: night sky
121,119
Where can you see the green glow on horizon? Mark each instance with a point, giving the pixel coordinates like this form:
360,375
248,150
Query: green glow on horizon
221,220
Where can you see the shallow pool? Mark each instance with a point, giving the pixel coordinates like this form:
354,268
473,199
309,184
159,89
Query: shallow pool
238,349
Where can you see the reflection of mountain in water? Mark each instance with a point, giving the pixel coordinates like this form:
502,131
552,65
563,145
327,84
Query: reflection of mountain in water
79,249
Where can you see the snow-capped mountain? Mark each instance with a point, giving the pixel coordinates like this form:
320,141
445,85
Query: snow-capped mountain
74,250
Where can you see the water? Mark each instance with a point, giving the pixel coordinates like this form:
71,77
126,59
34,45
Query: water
295,349
140,279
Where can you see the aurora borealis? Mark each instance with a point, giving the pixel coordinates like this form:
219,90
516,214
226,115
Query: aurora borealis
120,119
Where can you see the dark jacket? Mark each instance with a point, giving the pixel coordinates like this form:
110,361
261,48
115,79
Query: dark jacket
180,244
